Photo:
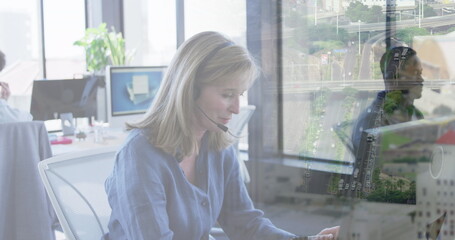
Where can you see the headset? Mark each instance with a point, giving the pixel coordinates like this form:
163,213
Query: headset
393,61
219,125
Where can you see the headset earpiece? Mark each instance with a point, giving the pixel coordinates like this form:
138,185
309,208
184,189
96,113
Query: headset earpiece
399,56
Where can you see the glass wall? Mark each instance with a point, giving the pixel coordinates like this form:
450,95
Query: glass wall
368,86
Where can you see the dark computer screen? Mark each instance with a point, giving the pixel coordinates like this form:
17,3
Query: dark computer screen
50,98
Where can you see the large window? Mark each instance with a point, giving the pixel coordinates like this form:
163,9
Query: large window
64,23
22,33
150,31
228,17
331,72
20,42
353,93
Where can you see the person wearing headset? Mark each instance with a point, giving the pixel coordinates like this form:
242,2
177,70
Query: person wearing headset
402,72
8,113
177,174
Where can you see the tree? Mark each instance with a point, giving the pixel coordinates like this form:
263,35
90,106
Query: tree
374,15
411,193
400,184
407,35
388,185
428,11
333,184
327,32
356,11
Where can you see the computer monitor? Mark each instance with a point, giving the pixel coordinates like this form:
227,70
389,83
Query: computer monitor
130,92
50,98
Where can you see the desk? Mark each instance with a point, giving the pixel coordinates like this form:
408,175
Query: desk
111,138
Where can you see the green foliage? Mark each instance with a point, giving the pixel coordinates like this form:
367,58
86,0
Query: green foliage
333,184
328,45
452,29
393,192
400,184
358,11
355,11
428,11
374,15
407,35
377,74
321,37
391,138
103,48
376,173
350,91
95,49
411,160
313,129
392,101
327,32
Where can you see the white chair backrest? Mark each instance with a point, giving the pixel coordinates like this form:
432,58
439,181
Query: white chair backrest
75,185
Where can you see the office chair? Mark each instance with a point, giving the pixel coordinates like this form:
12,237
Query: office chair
25,210
236,126
75,185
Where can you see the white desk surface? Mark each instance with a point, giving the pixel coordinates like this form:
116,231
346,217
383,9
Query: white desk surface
111,138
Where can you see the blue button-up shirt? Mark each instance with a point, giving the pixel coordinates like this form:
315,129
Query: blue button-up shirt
152,199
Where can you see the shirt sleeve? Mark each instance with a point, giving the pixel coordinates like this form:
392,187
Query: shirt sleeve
10,114
137,199
238,217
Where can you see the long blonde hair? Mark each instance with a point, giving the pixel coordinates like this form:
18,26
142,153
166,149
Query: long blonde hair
205,58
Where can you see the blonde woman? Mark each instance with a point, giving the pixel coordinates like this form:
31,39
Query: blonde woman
176,175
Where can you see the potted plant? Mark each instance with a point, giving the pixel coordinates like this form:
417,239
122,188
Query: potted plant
103,48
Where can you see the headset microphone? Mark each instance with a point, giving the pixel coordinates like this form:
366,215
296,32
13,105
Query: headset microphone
219,125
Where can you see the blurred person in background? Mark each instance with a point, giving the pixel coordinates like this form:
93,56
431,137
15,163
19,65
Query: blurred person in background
8,113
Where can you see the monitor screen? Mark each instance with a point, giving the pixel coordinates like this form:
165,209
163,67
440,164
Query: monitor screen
50,98
130,91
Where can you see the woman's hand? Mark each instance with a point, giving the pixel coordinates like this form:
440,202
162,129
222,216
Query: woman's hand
328,233
4,90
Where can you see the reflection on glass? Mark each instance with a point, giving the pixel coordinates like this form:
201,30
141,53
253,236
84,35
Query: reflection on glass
399,184
402,72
